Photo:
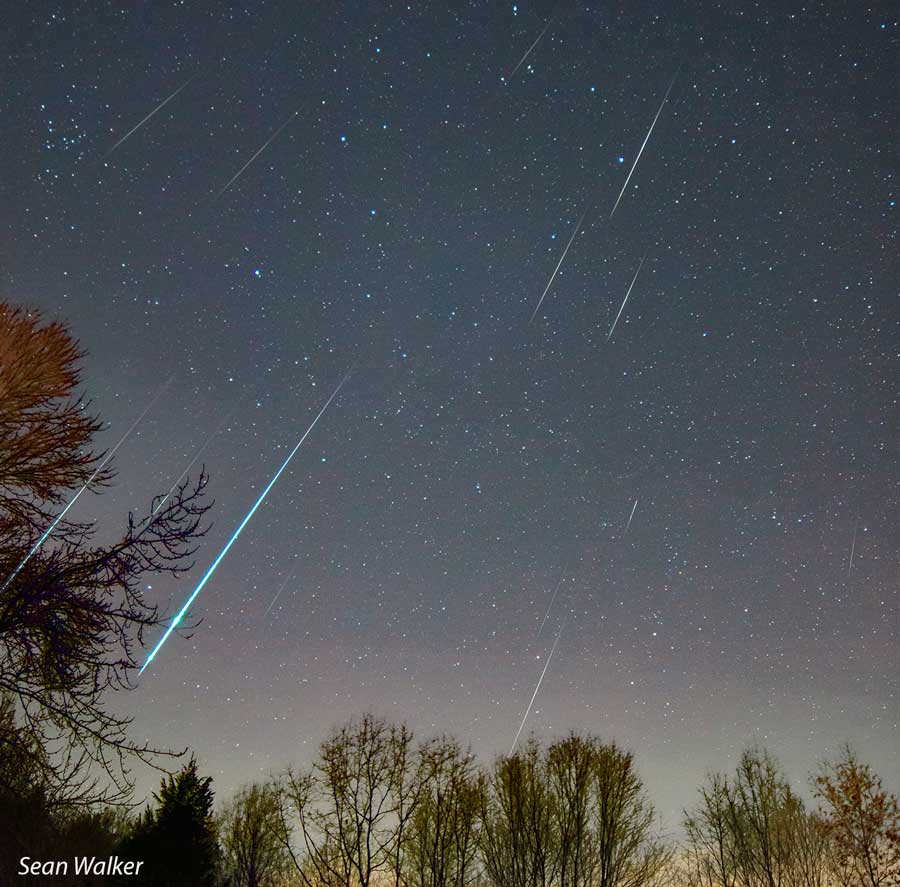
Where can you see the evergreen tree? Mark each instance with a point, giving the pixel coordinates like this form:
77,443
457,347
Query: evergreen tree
177,839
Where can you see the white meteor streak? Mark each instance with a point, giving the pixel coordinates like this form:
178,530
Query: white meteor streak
553,599
87,483
633,279
266,144
647,139
157,109
853,547
630,516
527,53
538,687
208,574
278,593
558,266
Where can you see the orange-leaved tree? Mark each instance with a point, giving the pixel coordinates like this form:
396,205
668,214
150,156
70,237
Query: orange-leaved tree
72,616
862,819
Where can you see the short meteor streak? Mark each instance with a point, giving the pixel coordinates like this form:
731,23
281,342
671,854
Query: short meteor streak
647,139
527,53
538,687
630,516
156,110
633,279
268,142
853,548
87,483
553,599
206,577
558,266
278,593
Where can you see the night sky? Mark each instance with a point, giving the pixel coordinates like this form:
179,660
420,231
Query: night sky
432,164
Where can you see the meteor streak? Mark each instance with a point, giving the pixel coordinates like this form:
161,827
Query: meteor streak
538,687
553,599
527,53
158,108
87,483
266,144
630,516
853,548
208,574
191,464
649,131
278,593
558,266
633,279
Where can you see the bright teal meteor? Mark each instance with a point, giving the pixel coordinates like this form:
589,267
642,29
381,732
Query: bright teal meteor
180,615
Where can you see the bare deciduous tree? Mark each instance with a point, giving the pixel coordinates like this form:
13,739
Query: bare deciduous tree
710,855
571,769
754,831
629,852
353,807
811,850
249,832
575,816
442,840
518,843
71,613
762,809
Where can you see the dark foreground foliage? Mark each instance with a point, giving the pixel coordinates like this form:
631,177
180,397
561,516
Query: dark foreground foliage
376,807
72,615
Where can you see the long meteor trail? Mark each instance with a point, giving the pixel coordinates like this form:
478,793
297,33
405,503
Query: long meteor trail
266,144
156,110
87,483
538,687
527,53
553,599
646,139
206,576
562,258
633,279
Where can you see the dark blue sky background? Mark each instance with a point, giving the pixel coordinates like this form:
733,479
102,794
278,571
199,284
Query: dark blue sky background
404,224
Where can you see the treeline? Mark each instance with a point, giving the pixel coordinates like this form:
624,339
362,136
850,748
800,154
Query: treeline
378,808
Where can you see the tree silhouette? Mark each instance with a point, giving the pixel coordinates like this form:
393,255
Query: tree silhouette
629,853
249,832
442,838
518,843
754,831
71,612
571,770
177,840
863,820
354,806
